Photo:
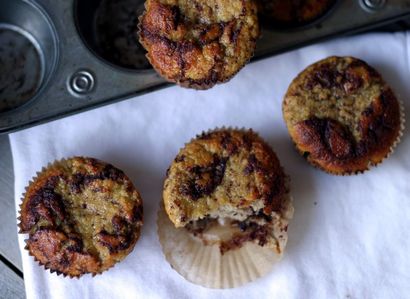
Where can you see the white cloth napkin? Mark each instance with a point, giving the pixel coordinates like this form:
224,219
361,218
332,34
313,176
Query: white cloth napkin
350,236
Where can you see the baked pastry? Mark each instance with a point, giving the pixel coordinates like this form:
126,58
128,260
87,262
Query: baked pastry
228,175
342,116
199,43
81,216
227,196
293,13
226,209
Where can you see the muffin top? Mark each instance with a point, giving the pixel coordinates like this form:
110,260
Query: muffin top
342,115
293,13
224,173
199,43
82,216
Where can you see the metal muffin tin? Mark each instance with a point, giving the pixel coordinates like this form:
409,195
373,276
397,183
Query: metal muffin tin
60,57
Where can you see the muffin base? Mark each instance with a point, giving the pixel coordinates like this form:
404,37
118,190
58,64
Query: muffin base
370,163
205,265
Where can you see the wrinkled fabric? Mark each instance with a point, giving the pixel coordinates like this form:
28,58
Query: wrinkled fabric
350,236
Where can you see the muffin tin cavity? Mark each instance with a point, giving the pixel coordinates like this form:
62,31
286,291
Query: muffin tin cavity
26,38
60,57
281,15
109,29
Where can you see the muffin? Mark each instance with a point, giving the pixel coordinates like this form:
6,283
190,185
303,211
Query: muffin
81,216
293,13
342,116
226,189
198,44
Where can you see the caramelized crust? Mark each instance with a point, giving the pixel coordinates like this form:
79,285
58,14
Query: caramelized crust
199,43
224,173
59,252
293,13
341,115
81,216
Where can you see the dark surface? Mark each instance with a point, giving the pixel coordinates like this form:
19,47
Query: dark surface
20,69
293,14
111,83
109,29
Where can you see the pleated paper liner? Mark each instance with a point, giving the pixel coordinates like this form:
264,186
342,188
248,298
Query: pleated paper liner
206,266
402,128
46,265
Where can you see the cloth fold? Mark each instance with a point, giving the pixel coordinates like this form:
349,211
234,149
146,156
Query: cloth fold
349,237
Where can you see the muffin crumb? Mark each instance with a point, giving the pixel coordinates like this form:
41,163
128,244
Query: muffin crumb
342,116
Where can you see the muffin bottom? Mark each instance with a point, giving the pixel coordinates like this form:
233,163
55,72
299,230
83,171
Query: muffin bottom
201,260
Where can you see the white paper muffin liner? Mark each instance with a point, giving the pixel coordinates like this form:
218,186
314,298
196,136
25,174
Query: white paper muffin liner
402,128
206,266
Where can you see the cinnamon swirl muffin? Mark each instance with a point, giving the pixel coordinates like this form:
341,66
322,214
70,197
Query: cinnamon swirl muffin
81,216
199,43
342,115
232,182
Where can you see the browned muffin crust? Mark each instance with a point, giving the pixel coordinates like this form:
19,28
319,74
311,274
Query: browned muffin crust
81,216
231,181
293,13
341,115
199,43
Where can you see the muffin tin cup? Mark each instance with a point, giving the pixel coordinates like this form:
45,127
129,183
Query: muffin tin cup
28,53
206,266
108,28
77,64
267,22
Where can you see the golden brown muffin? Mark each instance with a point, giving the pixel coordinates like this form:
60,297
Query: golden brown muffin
293,13
82,216
342,116
199,43
229,182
